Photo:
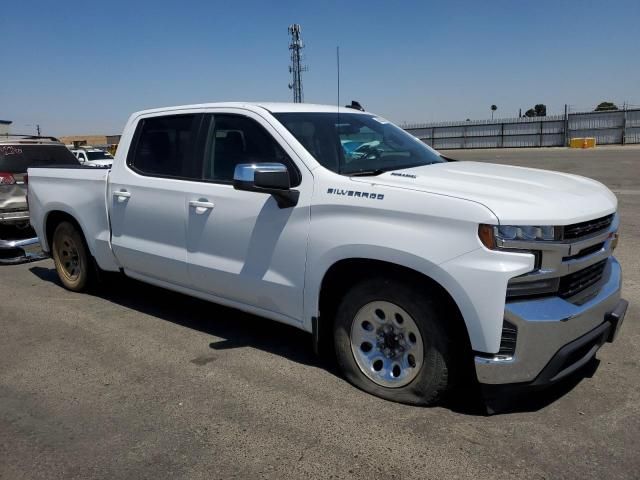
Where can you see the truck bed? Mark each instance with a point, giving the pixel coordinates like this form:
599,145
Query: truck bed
79,192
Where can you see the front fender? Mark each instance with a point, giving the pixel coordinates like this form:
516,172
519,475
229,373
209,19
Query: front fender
476,281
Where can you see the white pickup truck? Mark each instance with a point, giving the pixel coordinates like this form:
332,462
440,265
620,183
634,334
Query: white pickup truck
410,267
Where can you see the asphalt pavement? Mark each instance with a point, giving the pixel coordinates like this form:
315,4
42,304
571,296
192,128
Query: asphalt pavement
137,382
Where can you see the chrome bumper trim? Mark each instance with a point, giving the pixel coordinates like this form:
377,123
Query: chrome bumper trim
547,324
14,217
30,247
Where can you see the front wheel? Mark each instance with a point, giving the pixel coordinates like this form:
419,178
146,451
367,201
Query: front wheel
390,341
71,257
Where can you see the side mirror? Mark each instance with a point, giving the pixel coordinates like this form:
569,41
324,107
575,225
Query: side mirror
270,178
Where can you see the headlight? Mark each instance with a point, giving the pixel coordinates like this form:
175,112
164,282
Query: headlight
529,233
520,232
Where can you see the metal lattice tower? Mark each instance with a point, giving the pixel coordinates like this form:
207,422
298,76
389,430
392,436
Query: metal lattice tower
296,68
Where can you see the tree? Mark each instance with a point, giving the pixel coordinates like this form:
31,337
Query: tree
541,110
493,109
606,106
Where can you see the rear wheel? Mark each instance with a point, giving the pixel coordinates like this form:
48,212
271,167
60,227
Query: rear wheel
71,256
390,341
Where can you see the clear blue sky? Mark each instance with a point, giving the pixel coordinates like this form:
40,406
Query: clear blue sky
80,67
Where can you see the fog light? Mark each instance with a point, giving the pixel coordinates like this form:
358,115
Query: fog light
534,287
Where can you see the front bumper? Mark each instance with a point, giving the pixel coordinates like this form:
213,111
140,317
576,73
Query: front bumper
19,251
555,336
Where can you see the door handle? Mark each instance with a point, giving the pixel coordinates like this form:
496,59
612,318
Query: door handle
203,205
121,195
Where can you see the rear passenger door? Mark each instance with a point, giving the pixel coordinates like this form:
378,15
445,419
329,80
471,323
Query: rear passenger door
147,198
240,245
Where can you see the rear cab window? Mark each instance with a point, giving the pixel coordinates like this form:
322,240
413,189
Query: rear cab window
17,158
100,155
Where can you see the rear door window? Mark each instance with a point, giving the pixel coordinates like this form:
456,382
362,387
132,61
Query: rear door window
19,157
164,147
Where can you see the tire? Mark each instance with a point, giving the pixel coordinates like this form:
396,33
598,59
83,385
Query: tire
74,264
390,341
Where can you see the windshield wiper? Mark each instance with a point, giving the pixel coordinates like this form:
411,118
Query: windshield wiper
365,173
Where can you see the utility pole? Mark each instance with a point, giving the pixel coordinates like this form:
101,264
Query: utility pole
296,68
567,139
38,129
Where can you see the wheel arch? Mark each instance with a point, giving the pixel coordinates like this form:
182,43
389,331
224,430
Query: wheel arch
345,272
55,218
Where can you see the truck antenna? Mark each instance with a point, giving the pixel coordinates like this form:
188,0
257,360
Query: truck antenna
338,68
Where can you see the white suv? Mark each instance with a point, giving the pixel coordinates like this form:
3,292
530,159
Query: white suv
93,157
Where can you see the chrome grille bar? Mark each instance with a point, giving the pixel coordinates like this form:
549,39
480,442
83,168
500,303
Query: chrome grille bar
582,229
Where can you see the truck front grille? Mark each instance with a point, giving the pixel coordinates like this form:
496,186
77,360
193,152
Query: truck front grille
582,229
570,266
576,282
585,251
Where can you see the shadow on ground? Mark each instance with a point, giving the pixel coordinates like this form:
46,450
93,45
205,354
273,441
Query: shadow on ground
239,329
236,328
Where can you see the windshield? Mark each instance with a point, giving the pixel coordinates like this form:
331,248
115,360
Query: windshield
352,143
99,156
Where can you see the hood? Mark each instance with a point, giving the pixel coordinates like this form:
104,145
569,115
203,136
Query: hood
516,195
